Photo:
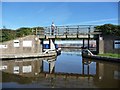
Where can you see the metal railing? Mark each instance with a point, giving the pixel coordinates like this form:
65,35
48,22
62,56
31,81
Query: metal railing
68,30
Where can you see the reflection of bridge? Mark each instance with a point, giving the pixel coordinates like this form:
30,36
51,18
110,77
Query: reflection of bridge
31,68
26,69
73,53
77,47
84,64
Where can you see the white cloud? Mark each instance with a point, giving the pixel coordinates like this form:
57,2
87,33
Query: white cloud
102,20
97,22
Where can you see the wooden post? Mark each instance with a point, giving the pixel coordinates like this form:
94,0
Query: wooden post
89,38
36,31
66,32
77,31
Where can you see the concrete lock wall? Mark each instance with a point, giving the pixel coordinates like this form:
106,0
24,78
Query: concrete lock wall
106,44
23,45
109,44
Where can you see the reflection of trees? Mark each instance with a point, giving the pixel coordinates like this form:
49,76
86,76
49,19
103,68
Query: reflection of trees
106,75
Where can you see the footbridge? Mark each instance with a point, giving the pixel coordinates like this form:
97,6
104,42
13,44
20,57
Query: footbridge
66,32
83,32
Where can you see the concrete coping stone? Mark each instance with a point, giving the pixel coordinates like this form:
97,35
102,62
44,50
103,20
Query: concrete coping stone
21,56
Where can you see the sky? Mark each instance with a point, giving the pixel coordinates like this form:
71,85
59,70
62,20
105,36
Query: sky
32,14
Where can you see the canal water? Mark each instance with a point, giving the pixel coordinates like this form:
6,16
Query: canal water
68,70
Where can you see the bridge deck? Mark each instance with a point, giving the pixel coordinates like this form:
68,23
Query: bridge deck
66,36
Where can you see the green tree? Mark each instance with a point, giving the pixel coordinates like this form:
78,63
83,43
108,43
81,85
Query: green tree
7,34
23,31
108,29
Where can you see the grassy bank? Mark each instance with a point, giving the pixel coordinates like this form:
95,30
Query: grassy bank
110,55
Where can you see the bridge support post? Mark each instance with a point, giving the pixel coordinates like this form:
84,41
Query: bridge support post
100,44
77,32
89,38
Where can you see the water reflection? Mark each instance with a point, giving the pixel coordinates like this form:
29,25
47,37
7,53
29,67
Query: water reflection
62,71
72,51
51,65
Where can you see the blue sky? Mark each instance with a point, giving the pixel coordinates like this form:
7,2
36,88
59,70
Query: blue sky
31,14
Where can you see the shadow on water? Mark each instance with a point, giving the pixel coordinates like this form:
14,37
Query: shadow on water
68,70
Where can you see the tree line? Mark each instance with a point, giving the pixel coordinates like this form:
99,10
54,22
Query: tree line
109,29
9,34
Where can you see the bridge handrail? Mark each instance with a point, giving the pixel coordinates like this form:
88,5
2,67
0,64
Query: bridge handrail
70,30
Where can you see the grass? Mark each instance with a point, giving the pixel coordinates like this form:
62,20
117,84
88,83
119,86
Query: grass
110,55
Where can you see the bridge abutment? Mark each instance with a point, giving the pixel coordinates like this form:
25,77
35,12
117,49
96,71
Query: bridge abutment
100,44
